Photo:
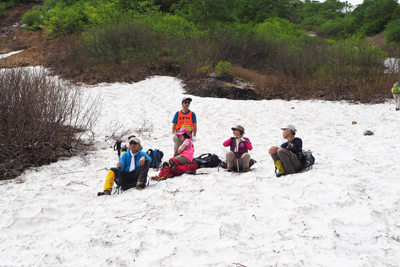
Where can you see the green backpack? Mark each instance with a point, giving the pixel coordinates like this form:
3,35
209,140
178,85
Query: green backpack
396,89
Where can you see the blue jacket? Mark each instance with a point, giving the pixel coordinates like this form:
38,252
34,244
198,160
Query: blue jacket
126,159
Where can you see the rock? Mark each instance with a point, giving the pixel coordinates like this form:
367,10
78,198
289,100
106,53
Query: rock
223,87
353,122
368,132
15,173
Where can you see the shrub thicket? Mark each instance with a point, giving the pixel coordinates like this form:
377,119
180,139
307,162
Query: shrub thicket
38,115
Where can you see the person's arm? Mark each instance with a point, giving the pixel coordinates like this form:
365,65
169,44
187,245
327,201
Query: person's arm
194,130
173,128
227,142
273,150
181,148
248,144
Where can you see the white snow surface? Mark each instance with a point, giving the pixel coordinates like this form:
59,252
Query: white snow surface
343,212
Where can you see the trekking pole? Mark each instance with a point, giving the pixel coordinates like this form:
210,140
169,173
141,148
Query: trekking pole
117,147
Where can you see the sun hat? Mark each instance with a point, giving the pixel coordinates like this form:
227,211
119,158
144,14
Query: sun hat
186,99
238,127
182,131
133,138
290,127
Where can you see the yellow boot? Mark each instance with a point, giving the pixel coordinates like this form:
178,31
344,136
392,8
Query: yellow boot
279,166
108,184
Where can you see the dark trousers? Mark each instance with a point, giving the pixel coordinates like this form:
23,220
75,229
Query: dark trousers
131,179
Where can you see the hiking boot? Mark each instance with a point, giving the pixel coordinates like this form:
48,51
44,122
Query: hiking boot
229,169
246,169
279,174
104,193
140,186
165,164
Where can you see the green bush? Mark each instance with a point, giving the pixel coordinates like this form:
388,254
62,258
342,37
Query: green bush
392,31
224,68
33,18
2,9
65,21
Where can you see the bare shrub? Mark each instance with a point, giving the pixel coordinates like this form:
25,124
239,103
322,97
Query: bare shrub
116,131
39,114
146,129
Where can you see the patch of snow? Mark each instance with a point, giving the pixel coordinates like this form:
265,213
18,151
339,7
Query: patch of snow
344,212
10,54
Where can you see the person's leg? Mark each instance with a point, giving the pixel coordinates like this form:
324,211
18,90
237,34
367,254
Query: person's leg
290,161
397,100
230,160
177,143
244,162
182,159
109,182
278,164
142,175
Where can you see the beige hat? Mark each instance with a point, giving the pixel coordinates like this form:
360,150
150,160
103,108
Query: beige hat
238,127
133,138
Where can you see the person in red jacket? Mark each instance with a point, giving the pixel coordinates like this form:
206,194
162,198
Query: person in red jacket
238,158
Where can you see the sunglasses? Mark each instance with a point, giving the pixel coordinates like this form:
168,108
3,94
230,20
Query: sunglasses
133,143
186,102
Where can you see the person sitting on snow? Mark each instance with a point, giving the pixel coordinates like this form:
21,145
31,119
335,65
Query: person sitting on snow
183,119
185,151
134,166
238,158
287,157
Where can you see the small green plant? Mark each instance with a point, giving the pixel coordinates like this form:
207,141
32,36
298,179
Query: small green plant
223,68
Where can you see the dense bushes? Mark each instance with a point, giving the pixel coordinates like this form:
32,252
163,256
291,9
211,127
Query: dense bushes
38,116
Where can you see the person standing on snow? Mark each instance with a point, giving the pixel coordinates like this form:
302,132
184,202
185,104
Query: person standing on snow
396,94
287,157
238,158
134,166
183,119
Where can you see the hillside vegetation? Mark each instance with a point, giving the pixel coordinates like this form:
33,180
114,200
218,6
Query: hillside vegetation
261,41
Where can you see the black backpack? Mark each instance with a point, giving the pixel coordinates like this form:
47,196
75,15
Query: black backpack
207,160
156,156
307,160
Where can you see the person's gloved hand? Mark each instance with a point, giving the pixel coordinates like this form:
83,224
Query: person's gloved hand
194,138
233,138
173,137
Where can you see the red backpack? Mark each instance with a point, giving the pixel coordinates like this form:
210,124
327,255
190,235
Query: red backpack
184,168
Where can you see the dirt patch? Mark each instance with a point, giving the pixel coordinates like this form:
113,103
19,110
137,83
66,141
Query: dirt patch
13,37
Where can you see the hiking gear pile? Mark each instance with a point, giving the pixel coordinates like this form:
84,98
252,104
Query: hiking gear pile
176,170
156,156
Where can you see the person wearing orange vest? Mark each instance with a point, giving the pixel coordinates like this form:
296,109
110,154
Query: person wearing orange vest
183,119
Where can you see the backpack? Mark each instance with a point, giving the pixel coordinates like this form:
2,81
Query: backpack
207,160
223,164
184,168
396,89
307,160
156,156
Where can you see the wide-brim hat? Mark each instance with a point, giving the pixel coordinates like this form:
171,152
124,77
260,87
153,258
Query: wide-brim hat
238,127
182,131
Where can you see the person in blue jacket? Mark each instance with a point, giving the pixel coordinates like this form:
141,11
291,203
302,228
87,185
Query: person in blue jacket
287,157
134,165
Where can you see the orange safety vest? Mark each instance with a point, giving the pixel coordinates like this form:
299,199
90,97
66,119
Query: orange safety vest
184,120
